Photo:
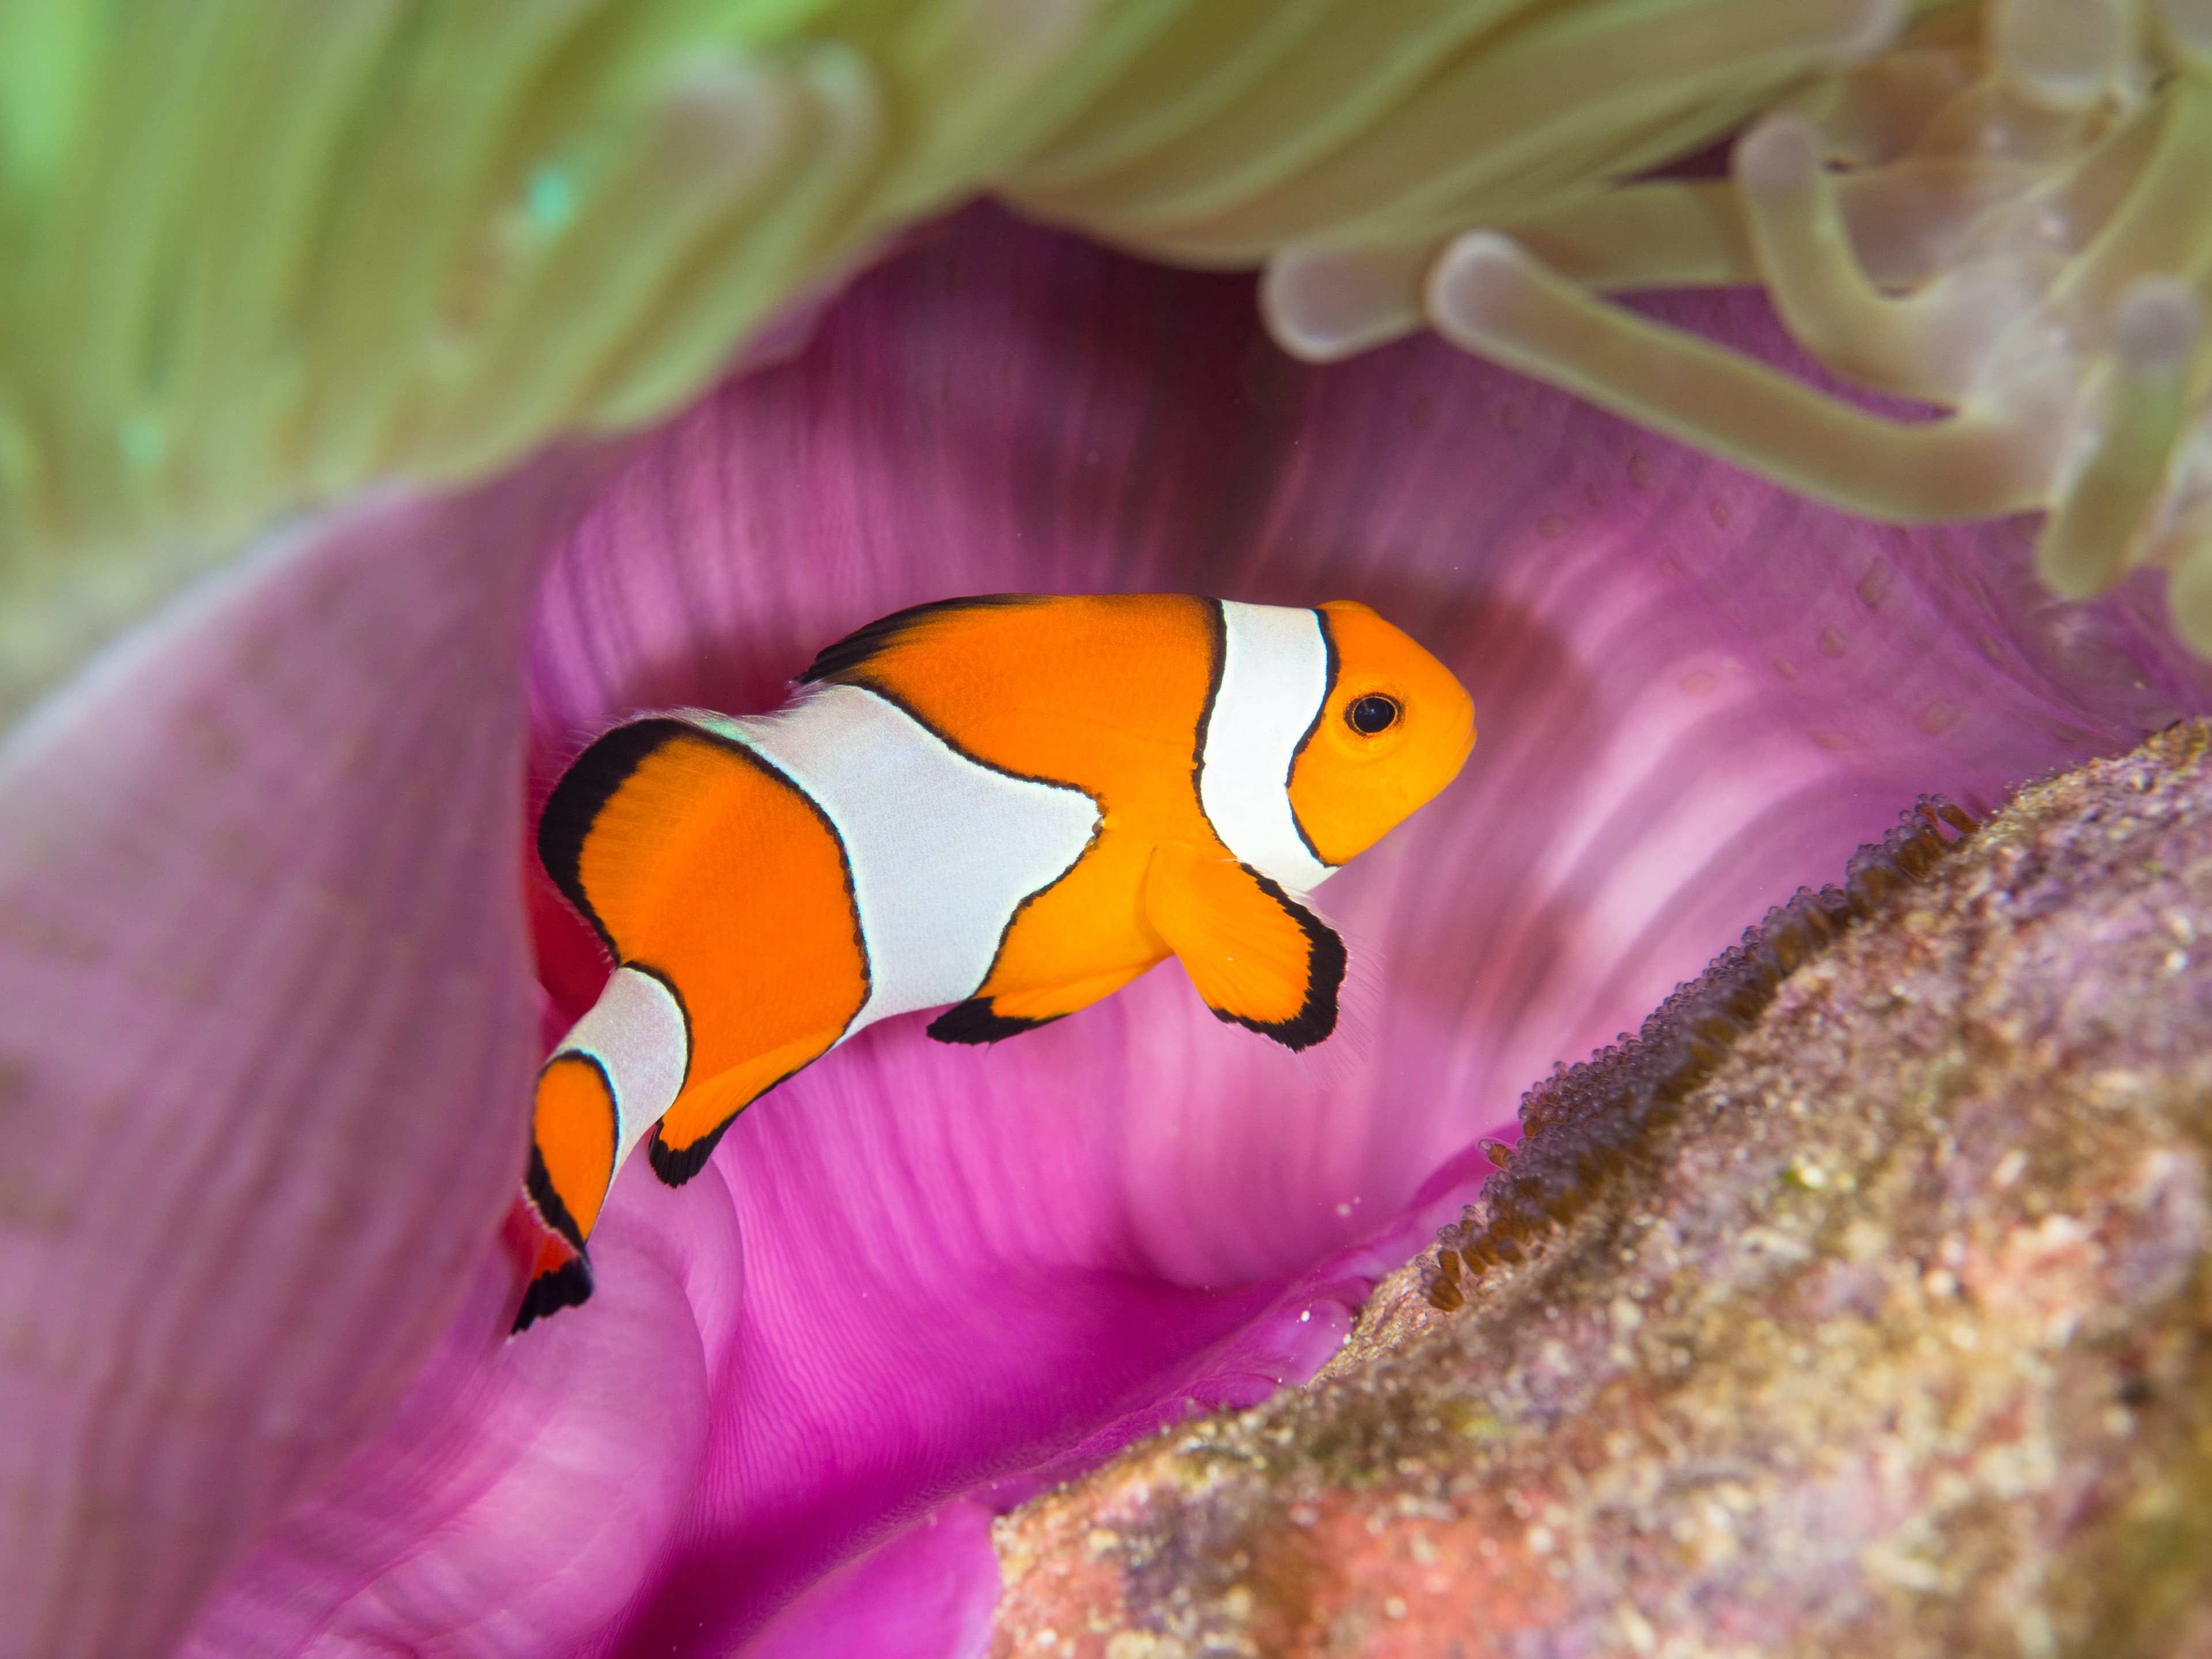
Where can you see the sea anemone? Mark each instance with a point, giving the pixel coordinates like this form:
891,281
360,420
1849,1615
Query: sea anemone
1999,224
278,970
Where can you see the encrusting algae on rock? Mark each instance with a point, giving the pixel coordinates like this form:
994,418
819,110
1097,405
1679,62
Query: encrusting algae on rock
1896,1339
1587,1125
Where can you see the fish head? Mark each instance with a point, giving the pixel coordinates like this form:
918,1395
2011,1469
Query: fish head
1395,728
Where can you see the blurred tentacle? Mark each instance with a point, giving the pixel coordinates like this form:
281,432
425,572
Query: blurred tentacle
2189,590
2163,224
2061,55
260,254
1490,296
1904,345
2095,529
2005,223
1556,100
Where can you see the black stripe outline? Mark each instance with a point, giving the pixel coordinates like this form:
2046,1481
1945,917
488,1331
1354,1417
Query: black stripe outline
1217,630
1328,690
863,645
1316,1019
676,1167
875,689
592,779
538,1183
775,774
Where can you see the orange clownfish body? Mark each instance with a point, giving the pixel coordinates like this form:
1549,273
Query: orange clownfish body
1013,805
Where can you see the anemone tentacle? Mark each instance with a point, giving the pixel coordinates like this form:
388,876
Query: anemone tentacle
2007,225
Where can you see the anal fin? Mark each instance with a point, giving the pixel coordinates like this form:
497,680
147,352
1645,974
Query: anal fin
1009,1013
1257,956
977,1021
690,1130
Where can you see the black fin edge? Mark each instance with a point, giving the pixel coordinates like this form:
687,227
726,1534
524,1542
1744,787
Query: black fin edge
976,1020
1316,1020
568,1286
538,1184
859,647
582,794
676,1166
1217,664
782,780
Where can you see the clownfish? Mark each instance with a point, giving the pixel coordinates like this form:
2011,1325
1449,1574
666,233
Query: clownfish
1008,806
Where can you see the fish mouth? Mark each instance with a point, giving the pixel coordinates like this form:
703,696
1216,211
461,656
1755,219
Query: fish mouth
1417,797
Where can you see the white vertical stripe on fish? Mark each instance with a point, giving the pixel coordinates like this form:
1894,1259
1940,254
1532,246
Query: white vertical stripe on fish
942,850
1274,676
636,1031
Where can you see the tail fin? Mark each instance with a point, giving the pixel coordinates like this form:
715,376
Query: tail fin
557,1274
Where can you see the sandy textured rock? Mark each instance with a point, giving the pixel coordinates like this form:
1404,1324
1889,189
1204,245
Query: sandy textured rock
1898,1340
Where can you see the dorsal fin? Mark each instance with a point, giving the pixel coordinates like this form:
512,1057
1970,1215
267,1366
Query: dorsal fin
582,793
854,652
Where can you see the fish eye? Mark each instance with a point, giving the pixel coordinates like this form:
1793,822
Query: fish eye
1371,714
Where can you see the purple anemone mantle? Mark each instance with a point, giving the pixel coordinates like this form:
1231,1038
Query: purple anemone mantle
270,1010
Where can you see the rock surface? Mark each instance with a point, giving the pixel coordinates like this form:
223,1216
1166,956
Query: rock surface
1896,1339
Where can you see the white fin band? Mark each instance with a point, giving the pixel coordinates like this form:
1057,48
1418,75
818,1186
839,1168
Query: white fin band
637,1033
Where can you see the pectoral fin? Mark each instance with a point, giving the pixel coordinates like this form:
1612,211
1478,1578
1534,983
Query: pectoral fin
1255,955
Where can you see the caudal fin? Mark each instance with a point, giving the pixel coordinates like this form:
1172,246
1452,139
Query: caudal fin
559,1275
